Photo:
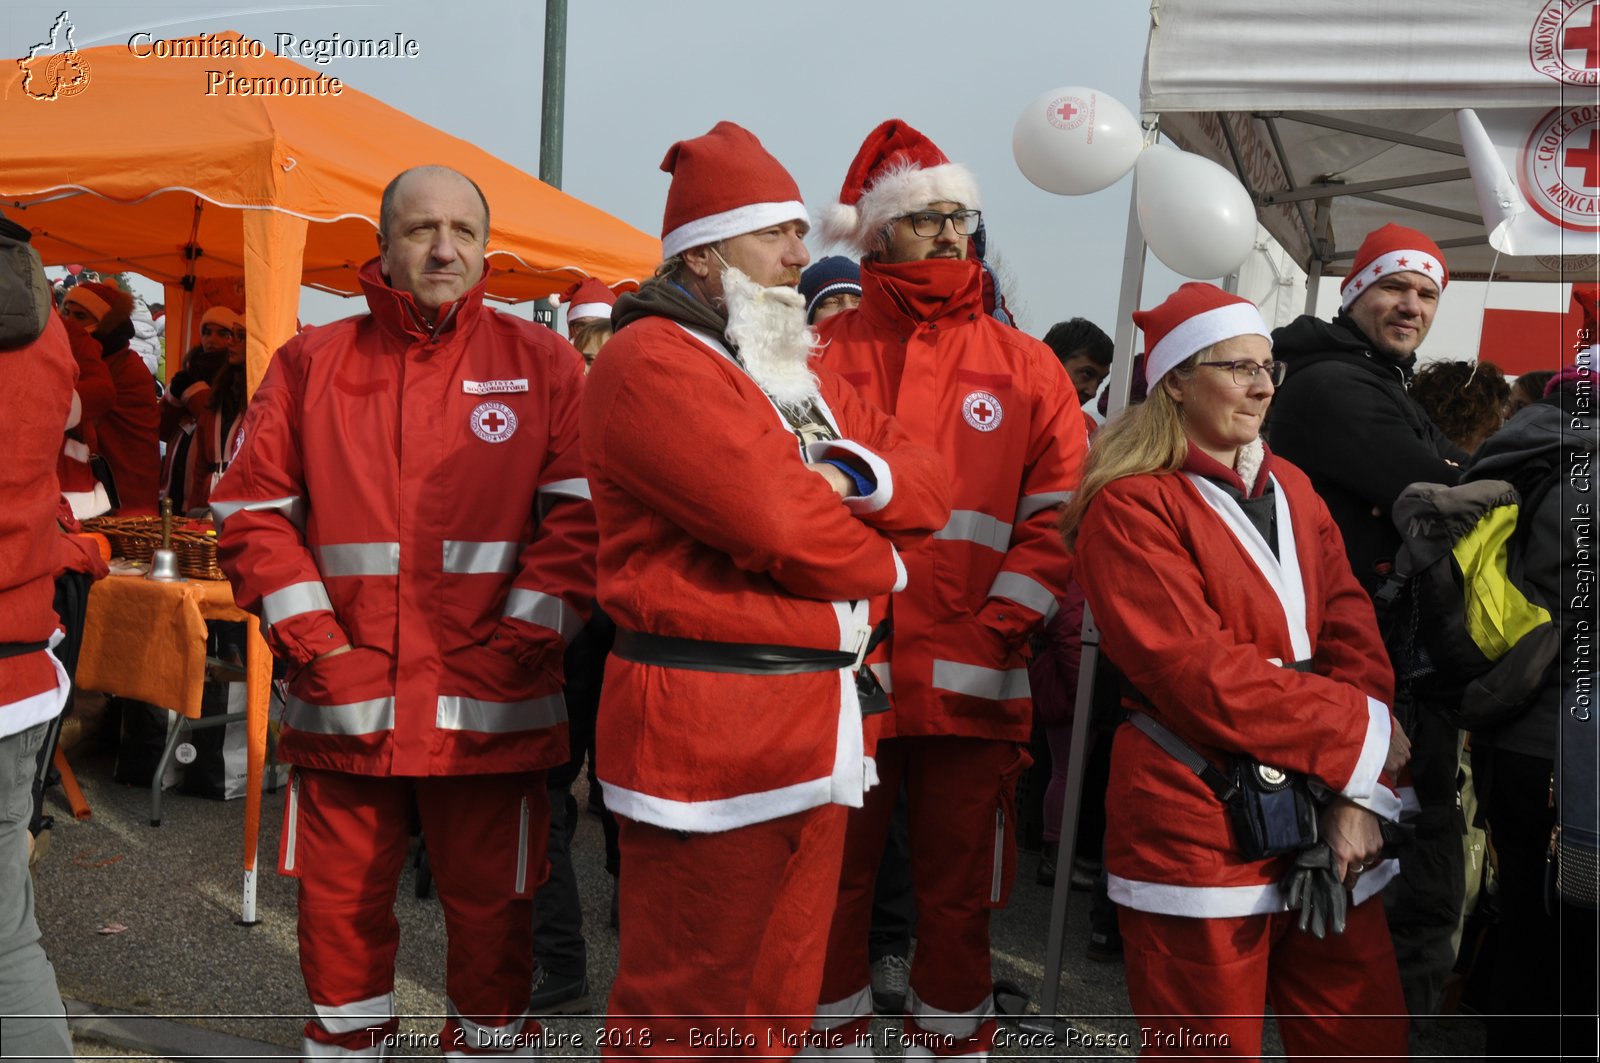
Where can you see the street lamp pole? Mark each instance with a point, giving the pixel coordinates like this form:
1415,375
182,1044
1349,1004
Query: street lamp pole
552,113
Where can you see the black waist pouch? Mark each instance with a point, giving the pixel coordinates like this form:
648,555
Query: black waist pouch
1272,811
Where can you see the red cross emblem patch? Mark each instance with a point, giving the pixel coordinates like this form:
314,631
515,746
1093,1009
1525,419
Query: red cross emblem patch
493,422
982,411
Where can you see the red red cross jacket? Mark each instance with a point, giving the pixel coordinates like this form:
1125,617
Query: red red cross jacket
1201,617
1000,411
419,495
714,529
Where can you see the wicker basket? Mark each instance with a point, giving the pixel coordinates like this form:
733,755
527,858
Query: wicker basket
197,555
138,538
132,538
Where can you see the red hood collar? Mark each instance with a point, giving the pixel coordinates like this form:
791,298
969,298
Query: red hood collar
904,295
398,311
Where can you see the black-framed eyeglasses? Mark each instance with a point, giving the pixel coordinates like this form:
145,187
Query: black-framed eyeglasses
1244,371
929,223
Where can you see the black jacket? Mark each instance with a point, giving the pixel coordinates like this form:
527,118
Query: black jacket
1344,416
1548,454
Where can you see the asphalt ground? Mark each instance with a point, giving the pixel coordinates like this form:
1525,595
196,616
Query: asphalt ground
141,924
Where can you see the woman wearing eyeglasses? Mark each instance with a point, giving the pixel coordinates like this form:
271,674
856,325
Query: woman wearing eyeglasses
1221,589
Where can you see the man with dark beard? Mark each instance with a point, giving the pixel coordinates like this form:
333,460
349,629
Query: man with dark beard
748,509
1001,412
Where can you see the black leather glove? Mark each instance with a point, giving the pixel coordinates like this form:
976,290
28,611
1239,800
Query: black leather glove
1312,887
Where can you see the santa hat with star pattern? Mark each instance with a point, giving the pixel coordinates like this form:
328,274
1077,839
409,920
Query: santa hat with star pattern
1392,249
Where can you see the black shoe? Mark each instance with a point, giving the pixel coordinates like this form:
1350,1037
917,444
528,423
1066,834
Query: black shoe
1046,874
558,994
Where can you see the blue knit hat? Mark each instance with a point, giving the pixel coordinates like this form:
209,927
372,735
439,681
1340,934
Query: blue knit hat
829,276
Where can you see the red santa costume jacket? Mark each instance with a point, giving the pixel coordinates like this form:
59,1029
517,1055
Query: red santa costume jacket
129,435
417,494
999,409
759,550
95,394
39,379
1201,617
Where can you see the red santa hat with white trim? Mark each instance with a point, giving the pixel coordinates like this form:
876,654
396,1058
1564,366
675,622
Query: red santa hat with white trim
591,298
1192,319
1392,249
724,184
897,171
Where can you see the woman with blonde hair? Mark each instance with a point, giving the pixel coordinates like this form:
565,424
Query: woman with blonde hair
1246,789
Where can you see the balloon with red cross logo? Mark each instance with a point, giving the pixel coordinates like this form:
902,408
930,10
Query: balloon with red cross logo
493,422
1075,140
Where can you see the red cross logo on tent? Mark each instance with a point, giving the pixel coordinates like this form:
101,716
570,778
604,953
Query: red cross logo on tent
982,411
493,422
1584,39
1585,157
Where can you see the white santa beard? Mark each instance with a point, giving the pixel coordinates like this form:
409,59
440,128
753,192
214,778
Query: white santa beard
768,325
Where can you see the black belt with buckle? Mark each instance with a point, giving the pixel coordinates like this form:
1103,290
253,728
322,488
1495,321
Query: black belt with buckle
753,658
741,658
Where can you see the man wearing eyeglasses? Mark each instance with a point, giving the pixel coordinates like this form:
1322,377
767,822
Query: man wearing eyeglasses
1344,416
1000,410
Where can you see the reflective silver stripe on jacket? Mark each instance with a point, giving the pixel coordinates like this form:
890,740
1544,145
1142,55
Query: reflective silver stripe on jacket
980,682
578,488
291,506
296,598
464,558
1028,505
971,526
359,559
357,1015
546,610
560,491
356,718
499,717
1024,590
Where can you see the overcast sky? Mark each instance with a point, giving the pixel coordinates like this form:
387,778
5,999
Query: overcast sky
810,80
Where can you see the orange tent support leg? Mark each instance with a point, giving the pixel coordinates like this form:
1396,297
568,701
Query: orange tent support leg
69,786
258,665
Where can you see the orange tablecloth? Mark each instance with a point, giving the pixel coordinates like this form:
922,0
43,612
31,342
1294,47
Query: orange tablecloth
147,640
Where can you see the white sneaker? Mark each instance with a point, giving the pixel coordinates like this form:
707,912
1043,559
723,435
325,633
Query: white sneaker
890,977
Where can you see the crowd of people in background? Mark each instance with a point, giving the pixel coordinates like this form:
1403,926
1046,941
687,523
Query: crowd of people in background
793,558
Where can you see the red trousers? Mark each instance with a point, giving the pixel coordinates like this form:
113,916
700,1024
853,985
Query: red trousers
1201,986
722,937
961,805
345,838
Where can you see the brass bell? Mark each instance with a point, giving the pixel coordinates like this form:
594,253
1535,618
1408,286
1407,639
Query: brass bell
164,562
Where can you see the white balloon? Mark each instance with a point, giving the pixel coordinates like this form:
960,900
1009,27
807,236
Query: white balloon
1075,140
1196,216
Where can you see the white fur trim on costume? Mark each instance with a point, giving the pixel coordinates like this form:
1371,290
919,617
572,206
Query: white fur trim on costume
38,708
1363,783
735,222
1201,331
582,310
882,477
1383,265
899,190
